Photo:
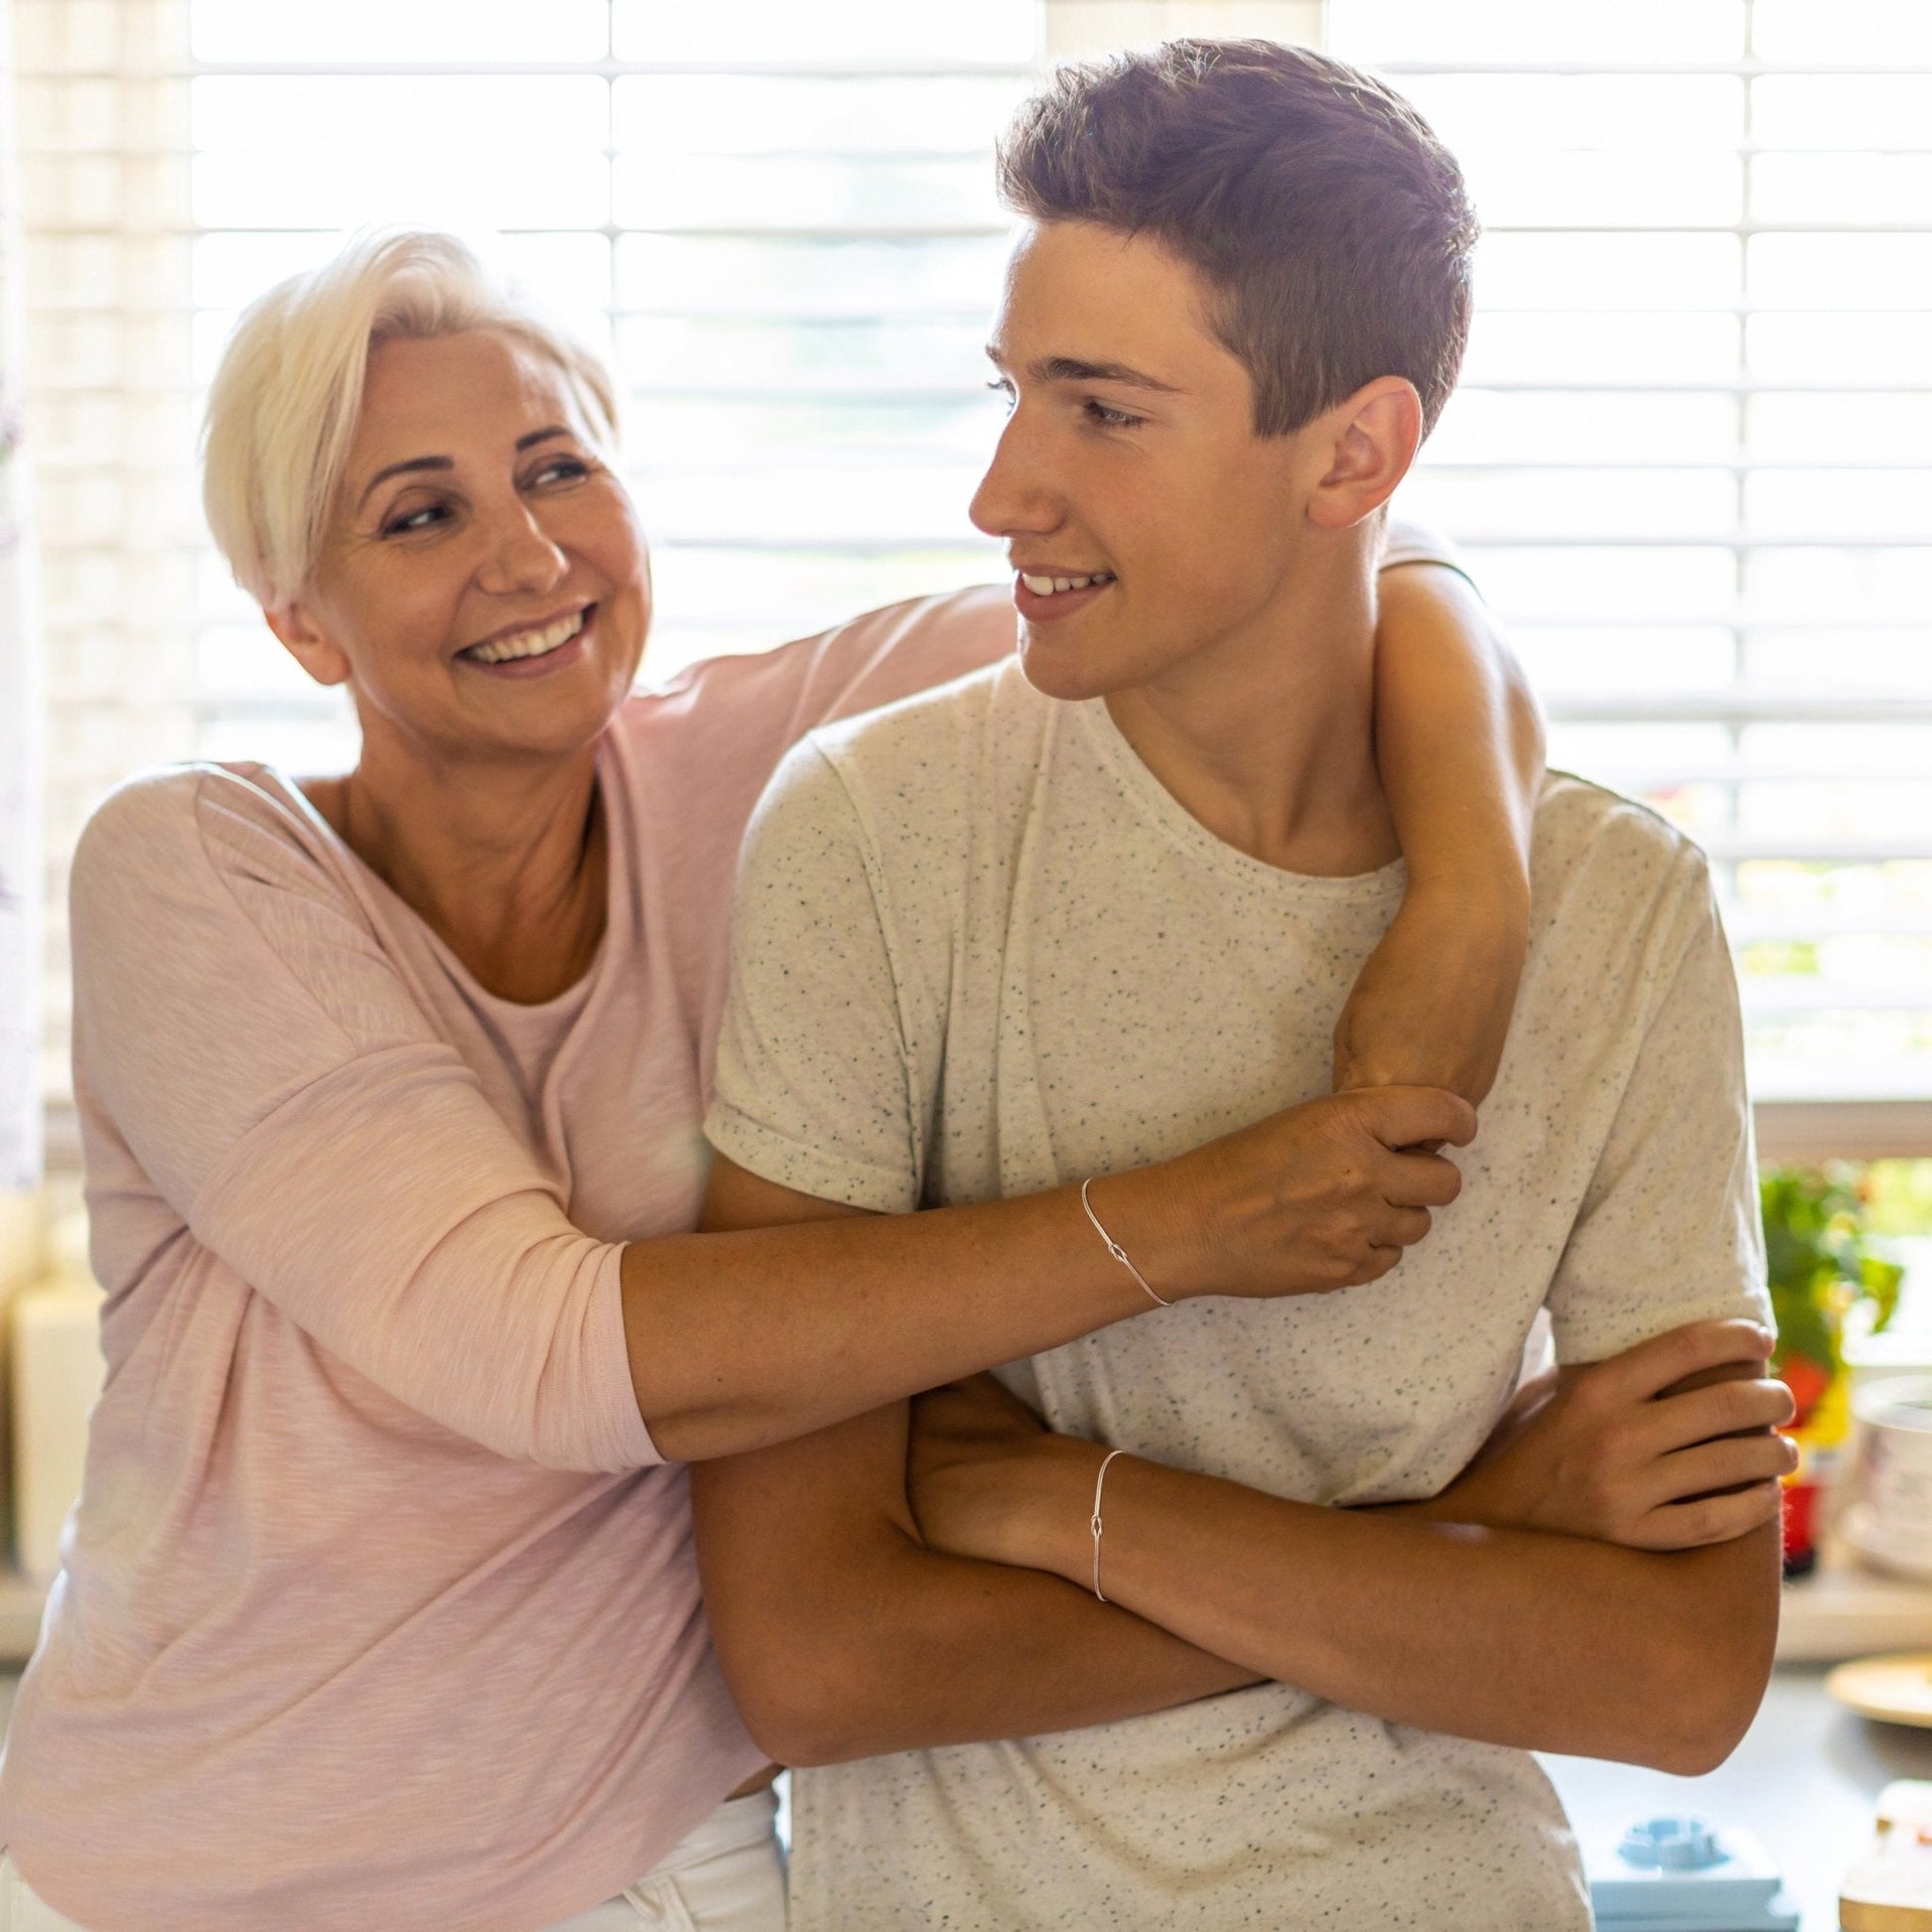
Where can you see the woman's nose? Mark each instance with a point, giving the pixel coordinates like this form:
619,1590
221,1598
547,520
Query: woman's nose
521,557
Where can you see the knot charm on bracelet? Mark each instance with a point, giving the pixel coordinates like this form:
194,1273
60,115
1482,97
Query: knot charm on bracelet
1116,1250
1094,1522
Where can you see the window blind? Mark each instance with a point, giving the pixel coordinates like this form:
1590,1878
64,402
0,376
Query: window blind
1692,457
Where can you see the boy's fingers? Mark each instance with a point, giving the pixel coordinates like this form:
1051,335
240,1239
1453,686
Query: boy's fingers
1711,1519
1660,1363
1732,1463
1728,1408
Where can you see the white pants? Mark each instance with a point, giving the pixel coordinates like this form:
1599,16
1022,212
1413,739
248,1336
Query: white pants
727,1876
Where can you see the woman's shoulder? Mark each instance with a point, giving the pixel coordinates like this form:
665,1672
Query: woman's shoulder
160,827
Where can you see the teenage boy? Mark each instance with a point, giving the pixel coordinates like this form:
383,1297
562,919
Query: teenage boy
1083,910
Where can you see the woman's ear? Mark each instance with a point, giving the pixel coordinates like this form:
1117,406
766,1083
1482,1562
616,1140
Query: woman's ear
323,660
1372,440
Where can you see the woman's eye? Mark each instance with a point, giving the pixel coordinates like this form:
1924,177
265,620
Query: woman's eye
420,518
564,468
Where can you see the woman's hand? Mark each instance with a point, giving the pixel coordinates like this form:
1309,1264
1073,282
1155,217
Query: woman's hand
987,1480
1665,1447
1323,1196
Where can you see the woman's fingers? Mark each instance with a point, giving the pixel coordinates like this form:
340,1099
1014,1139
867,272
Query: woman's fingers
1420,1180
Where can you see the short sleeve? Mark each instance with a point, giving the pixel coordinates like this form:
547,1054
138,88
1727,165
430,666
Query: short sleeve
1669,1230
820,1081
1410,542
267,1064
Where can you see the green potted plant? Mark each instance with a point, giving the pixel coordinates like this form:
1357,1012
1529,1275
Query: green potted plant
1825,1274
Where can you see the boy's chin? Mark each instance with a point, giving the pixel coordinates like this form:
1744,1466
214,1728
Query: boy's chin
1063,671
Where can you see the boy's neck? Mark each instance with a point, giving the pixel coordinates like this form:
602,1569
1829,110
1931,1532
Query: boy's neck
1268,738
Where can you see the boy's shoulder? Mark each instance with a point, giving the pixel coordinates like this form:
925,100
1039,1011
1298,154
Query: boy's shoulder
970,729
1586,827
1611,878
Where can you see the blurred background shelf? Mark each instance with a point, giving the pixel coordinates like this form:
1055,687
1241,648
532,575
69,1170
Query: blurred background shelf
1845,1610
21,1604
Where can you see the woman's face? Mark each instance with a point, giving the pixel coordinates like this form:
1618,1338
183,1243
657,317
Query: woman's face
484,588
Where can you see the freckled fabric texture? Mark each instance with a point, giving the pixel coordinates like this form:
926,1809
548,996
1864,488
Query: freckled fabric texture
979,951
380,1608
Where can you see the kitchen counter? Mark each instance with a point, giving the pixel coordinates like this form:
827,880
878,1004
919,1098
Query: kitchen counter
1805,1780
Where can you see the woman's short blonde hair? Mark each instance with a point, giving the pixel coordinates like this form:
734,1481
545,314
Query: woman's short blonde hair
281,414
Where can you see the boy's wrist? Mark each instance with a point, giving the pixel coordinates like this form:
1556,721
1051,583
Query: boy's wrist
1052,1517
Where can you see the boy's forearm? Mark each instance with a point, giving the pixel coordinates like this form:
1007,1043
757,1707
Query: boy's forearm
1492,1634
895,1647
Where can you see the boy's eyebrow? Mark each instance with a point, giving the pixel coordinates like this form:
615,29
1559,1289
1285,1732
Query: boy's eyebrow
1070,368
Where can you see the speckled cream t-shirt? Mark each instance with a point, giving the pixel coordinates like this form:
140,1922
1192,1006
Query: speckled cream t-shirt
980,950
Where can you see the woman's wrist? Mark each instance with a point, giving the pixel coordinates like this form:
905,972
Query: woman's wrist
1161,1217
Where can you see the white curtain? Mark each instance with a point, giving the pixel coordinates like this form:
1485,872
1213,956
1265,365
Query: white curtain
19,710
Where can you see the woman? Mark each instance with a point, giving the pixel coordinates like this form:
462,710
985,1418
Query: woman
378,1607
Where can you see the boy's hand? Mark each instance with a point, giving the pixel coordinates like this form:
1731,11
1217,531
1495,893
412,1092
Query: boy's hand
1431,1006
1665,1447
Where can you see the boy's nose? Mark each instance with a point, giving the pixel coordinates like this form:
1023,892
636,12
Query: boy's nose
1014,497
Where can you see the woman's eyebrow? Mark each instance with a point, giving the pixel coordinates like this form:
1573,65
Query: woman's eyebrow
400,468
523,443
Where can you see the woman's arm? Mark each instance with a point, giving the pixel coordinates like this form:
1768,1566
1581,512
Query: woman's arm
1459,746
852,1313
275,1074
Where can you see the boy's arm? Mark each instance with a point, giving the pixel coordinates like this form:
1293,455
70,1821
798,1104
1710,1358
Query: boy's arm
1498,1635
842,1635
1459,748
1495,1633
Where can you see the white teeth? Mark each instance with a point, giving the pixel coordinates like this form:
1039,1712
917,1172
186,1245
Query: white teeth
528,643
1048,586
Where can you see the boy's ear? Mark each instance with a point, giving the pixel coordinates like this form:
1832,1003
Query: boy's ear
1370,441
293,624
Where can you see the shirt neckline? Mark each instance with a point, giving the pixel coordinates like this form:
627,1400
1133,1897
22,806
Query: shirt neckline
1158,804
563,1007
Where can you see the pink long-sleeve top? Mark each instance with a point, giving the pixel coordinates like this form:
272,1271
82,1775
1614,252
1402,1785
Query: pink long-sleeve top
379,1606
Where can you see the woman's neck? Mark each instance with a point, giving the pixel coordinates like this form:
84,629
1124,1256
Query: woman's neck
504,861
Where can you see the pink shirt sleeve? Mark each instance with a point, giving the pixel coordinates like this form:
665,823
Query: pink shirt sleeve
284,1090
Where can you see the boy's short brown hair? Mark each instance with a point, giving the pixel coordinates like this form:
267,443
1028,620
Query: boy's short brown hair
1318,205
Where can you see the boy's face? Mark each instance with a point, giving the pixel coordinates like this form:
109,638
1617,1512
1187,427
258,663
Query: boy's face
1130,455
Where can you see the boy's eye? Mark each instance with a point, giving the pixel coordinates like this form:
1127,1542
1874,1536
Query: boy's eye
1001,386
1110,418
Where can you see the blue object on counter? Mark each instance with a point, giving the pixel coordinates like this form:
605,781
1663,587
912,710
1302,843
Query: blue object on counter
1678,1875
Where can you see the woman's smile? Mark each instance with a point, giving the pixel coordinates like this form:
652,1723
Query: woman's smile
535,650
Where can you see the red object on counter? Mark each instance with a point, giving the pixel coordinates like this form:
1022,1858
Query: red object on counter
1800,1527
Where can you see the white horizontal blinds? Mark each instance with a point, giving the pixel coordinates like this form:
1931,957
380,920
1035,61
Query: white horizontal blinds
1691,455
778,219
101,121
